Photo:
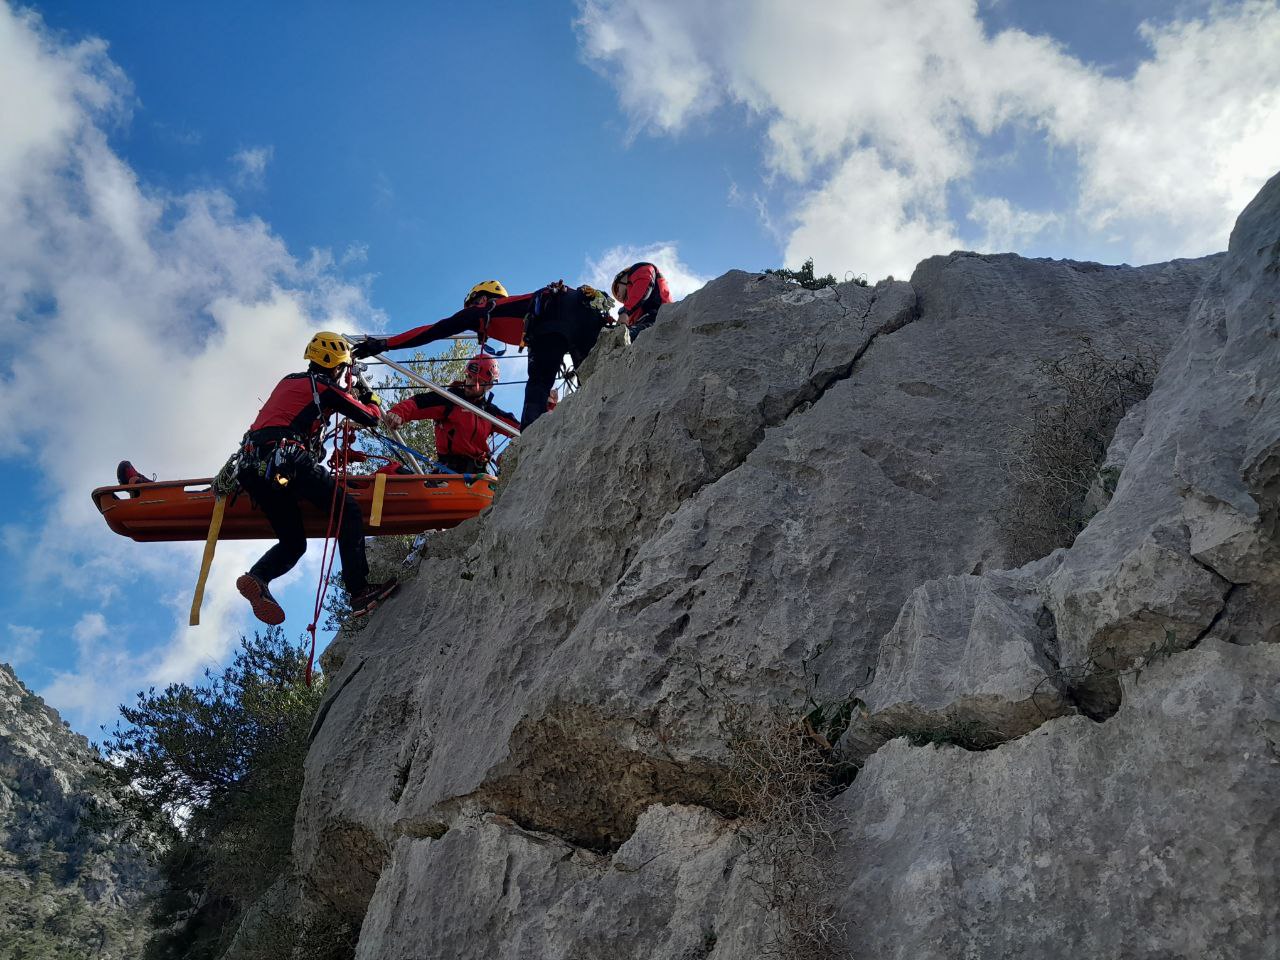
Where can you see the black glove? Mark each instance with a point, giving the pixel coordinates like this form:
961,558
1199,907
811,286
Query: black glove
368,397
368,347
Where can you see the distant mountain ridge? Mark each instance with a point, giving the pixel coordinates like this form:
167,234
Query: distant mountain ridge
69,887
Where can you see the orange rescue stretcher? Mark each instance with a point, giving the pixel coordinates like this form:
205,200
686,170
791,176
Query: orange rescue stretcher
182,509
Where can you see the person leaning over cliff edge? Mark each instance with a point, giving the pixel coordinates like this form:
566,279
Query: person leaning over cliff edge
641,289
280,466
552,322
462,438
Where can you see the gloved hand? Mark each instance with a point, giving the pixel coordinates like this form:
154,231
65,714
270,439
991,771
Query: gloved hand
392,420
368,347
369,397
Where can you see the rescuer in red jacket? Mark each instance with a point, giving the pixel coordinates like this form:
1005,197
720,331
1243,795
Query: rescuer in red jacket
462,438
552,322
641,289
280,465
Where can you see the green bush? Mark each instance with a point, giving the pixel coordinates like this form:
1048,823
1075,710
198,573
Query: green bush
805,277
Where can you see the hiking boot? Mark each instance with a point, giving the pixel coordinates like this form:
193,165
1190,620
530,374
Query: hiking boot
254,589
364,602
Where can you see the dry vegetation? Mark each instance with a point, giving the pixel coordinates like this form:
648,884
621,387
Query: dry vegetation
1058,455
784,777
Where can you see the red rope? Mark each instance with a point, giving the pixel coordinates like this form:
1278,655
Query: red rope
337,506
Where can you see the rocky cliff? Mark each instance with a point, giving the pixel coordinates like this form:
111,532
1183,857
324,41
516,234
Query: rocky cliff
70,887
797,503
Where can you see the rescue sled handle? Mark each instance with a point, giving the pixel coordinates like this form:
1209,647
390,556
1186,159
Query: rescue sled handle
404,371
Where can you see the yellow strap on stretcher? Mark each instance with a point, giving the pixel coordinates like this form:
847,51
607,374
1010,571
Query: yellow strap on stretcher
379,491
210,544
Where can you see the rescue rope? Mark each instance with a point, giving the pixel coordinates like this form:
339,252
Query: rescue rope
436,466
337,506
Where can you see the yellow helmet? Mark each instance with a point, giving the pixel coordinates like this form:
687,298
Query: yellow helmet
491,288
330,350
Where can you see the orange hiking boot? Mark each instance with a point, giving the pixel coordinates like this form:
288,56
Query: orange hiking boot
265,608
364,602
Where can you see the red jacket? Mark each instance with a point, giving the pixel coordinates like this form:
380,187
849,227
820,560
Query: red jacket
566,313
501,319
301,405
459,432
646,291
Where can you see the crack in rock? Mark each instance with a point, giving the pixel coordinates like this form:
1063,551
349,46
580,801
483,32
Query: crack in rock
571,774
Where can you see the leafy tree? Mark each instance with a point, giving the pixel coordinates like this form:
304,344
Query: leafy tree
449,366
218,769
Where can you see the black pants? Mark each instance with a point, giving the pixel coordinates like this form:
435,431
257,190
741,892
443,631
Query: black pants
546,352
641,325
280,504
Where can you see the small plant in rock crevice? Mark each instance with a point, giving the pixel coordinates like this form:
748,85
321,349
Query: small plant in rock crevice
783,779
1056,457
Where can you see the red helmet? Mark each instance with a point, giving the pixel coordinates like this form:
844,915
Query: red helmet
483,369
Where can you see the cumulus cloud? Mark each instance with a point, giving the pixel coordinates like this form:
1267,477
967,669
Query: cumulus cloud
141,324
251,165
1007,227
88,629
880,111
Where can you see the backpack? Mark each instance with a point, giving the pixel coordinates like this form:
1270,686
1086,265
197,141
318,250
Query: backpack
569,311
658,292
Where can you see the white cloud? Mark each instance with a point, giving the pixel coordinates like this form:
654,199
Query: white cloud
878,111
665,256
869,218
1191,138
671,83
141,325
251,165
90,628
1007,227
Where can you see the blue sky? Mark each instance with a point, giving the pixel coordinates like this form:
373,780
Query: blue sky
188,191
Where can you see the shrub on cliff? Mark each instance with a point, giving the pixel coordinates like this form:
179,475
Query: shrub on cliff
806,278
218,768
1058,455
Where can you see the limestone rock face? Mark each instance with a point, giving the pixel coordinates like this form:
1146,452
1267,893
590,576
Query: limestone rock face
487,888
796,498
1151,835
69,887
971,659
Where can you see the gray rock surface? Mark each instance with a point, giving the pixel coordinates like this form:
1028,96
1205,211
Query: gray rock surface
793,498
489,889
1192,518
1151,835
69,886
970,660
